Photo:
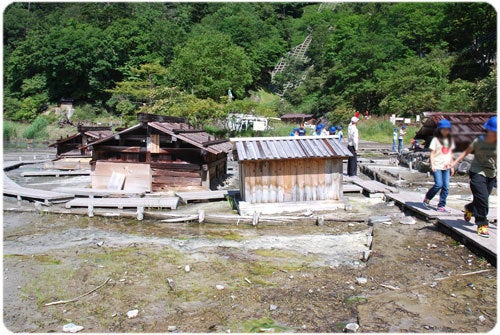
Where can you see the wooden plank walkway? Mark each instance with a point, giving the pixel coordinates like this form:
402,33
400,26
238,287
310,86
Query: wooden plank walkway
11,165
92,192
11,188
201,195
120,203
55,173
370,186
351,188
413,201
468,232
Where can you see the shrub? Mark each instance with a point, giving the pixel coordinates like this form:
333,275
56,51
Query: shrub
9,131
38,129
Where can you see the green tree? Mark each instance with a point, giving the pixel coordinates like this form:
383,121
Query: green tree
209,64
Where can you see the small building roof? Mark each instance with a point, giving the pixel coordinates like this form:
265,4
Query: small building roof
184,132
465,127
289,147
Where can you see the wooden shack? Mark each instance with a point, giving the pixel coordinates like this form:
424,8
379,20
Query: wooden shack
76,145
178,154
465,127
290,169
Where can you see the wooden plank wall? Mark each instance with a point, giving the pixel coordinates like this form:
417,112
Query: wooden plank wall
138,177
291,180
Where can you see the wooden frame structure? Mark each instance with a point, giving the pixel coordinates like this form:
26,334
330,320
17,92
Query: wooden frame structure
179,155
76,145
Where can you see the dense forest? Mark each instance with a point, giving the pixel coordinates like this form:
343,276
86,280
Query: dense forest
182,58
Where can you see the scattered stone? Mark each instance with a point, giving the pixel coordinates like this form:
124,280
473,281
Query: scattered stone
232,296
122,280
482,318
171,328
248,280
266,330
379,219
408,220
361,280
187,268
219,287
291,277
427,327
356,263
99,244
228,331
351,327
100,266
273,307
390,204
471,285
311,291
133,313
304,327
19,287
71,328
114,314
171,283
453,295
433,284
433,246
468,310
352,288
350,224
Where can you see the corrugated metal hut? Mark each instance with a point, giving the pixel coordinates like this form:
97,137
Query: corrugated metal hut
178,154
76,145
465,127
290,169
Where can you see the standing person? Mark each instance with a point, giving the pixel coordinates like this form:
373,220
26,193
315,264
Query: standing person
324,132
352,145
318,131
357,114
482,172
302,130
340,133
402,134
395,139
332,130
441,164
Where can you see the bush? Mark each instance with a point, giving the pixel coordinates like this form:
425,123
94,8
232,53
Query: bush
9,131
38,129
86,112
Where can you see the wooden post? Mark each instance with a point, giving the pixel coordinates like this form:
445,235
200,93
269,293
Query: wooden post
91,210
140,213
255,219
320,220
201,216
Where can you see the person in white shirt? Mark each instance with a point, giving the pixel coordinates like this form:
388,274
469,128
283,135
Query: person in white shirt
352,145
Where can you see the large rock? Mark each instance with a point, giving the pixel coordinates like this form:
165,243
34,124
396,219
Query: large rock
351,327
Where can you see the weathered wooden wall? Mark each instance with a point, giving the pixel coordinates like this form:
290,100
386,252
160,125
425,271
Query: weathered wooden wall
291,180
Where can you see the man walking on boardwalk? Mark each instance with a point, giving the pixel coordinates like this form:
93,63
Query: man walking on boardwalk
352,145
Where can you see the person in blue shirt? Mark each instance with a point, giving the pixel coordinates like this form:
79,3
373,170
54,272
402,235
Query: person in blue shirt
395,139
302,130
318,130
340,133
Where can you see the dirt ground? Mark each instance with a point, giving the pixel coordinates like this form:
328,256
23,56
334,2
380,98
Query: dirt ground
290,278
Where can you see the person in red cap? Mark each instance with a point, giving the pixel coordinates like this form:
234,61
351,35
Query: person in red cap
483,175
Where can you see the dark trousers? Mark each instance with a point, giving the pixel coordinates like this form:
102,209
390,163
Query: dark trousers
481,188
352,162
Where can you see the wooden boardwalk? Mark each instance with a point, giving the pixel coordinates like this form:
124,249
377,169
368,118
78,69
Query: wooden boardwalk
468,234
370,186
120,203
10,188
453,222
351,188
92,192
201,195
55,173
413,201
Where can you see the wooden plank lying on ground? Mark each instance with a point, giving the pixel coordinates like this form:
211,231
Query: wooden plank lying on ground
246,208
370,186
201,195
163,202
351,188
56,173
413,201
468,232
88,192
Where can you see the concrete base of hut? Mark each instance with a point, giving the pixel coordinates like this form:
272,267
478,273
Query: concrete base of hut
246,208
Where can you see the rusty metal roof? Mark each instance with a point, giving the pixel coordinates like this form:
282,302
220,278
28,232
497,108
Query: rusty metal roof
196,137
183,132
292,147
465,127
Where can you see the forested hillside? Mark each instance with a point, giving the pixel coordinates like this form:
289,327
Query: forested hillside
182,58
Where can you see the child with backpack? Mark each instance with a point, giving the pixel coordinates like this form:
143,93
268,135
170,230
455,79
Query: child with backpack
441,159
482,172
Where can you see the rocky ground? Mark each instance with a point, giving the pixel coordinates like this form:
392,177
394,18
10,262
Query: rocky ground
234,278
